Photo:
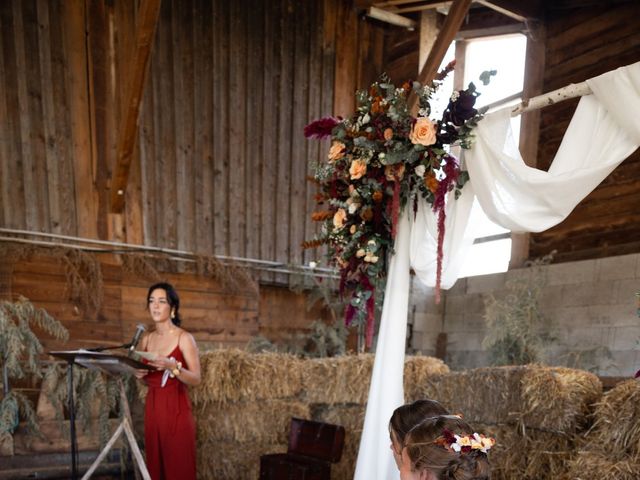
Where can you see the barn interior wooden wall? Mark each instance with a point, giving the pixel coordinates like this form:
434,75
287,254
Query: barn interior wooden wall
580,44
221,164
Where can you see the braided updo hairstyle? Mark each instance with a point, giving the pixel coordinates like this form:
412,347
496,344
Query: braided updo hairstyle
442,463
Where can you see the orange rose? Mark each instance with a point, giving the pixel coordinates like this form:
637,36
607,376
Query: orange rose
377,196
393,172
366,214
423,132
431,183
388,134
358,169
339,218
336,151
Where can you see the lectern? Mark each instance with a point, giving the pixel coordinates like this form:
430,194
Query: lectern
114,365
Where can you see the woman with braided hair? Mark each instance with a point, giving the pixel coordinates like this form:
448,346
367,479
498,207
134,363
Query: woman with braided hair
445,448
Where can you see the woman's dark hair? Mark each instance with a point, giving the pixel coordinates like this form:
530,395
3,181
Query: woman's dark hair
427,453
172,298
407,416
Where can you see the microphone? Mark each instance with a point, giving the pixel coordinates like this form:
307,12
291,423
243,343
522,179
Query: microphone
136,337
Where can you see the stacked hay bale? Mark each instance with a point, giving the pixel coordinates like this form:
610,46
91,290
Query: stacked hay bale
611,448
534,412
243,409
336,390
245,403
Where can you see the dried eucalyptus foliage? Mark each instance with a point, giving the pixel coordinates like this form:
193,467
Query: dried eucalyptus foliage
140,266
96,396
514,322
19,352
84,279
15,407
232,277
19,345
82,271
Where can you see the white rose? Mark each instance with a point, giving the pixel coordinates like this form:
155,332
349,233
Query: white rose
420,169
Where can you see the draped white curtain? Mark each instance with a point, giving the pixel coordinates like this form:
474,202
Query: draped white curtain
604,130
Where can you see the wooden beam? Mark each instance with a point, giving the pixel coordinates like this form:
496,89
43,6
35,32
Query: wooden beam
428,35
148,14
529,127
521,11
448,32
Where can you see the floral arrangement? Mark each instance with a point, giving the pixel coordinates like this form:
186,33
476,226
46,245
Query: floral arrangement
466,443
382,159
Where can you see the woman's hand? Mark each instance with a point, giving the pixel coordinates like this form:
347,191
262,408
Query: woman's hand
164,363
140,373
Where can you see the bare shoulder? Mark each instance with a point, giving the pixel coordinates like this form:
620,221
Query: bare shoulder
187,340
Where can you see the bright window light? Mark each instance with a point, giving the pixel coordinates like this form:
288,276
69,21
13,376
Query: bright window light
506,55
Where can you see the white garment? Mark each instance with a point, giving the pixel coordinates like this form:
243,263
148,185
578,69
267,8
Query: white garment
605,129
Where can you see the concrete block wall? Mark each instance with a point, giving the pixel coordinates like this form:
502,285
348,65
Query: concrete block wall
589,307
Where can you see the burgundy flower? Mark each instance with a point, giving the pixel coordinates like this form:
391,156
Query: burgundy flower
460,110
321,128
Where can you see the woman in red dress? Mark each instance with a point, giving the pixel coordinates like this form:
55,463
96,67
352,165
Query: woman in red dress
169,428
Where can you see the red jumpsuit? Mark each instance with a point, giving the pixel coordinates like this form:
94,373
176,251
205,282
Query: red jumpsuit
169,428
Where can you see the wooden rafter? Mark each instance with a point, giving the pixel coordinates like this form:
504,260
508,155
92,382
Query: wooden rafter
521,11
147,20
452,23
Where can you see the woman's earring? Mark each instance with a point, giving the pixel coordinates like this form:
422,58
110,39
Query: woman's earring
173,314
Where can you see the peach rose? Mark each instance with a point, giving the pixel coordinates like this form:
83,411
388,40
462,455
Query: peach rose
358,169
388,134
339,218
393,172
423,132
336,152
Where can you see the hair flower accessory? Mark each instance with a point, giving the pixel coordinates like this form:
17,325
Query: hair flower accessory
465,443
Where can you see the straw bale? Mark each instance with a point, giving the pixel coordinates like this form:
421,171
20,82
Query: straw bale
485,395
351,417
231,375
558,398
616,424
589,465
527,453
417,369
265,421
233,460
343,379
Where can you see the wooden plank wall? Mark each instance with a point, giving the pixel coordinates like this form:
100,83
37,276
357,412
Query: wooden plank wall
214,315
222,154
581,44
221,160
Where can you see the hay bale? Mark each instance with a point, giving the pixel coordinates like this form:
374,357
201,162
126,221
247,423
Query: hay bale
417,369
527,453
558,399
351,417
343,379
589,465
265,422
483,395
554,399
616,426
232,375
233,460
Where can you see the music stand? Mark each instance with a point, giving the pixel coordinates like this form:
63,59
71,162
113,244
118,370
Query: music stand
112,365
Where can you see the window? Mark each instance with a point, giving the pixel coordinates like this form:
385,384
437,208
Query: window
491,251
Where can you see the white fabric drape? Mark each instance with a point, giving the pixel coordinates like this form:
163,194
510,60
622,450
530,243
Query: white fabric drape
604,130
